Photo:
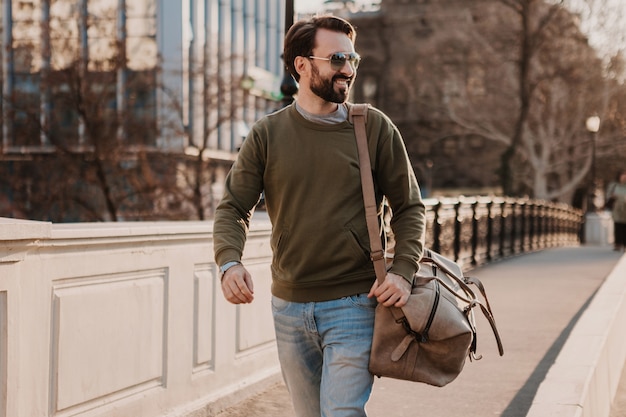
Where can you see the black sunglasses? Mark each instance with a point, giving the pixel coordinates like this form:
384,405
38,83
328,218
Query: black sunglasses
338,60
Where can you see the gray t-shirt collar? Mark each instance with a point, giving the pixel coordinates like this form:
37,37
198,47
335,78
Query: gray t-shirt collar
338,116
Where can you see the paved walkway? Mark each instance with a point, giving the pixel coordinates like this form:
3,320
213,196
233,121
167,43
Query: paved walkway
536,299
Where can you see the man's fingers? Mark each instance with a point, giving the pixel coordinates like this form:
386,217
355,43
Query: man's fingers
372,292
402,301
394,291
238,292
237,286
249,284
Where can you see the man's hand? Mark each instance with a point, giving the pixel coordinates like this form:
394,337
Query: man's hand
394,291
237,285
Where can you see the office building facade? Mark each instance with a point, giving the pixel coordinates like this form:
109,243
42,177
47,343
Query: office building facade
102,77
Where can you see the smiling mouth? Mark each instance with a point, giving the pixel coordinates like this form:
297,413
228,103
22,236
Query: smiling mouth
342,82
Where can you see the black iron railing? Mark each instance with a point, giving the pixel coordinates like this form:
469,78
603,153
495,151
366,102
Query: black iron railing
477,230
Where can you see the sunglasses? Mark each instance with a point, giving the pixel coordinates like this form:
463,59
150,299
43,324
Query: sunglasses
338,60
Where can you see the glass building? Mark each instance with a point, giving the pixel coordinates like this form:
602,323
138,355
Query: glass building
183,76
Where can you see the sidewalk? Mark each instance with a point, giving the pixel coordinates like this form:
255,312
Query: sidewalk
536,299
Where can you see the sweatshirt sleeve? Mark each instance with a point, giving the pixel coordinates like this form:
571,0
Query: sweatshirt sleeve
396,179
242,191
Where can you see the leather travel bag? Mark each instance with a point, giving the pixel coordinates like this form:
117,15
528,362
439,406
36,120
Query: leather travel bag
429,339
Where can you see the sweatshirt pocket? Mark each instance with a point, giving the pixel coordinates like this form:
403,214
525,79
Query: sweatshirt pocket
316,255
360,248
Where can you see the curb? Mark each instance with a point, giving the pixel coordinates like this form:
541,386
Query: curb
585,376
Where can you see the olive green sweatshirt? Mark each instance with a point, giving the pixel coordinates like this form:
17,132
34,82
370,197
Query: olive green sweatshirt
310,175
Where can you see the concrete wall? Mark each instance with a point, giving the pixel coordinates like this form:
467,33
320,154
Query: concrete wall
585,377
127,320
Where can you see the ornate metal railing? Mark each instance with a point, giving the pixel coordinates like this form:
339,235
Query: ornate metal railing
477,230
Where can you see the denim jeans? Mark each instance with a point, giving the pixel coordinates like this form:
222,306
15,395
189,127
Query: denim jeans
324,348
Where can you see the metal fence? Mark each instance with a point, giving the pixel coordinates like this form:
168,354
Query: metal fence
477,230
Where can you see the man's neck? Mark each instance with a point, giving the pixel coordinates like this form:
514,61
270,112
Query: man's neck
315,105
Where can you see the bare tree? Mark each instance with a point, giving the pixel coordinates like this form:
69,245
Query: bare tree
95,137
557,74
466,81
540,81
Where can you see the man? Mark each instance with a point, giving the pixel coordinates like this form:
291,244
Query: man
304,157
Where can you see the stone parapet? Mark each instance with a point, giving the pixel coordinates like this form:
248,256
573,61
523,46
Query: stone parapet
127,319
585,376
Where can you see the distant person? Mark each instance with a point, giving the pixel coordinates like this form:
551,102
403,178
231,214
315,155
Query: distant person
304,158
616,198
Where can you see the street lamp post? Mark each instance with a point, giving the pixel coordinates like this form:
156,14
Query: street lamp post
597,223
593,126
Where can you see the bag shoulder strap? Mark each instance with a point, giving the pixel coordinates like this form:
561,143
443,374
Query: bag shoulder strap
360,109
357,115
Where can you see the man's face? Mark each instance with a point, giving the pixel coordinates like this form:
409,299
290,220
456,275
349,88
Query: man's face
332,85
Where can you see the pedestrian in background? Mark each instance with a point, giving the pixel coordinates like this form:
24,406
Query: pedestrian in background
304,158
616,201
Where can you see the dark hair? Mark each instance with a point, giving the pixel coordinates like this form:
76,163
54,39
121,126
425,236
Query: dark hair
300,39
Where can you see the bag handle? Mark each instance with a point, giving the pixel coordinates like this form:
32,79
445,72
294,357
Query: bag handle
471,299
358,115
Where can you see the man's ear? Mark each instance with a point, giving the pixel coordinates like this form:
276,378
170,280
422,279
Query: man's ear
301,65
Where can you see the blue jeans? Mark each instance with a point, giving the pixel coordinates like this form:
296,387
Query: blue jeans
324,349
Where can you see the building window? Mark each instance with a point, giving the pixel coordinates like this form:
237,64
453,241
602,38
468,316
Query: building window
141,39
64,33
77,66
26,65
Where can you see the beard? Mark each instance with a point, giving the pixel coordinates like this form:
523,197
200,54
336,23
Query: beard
325,88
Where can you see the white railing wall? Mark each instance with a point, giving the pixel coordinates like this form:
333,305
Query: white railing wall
127,319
